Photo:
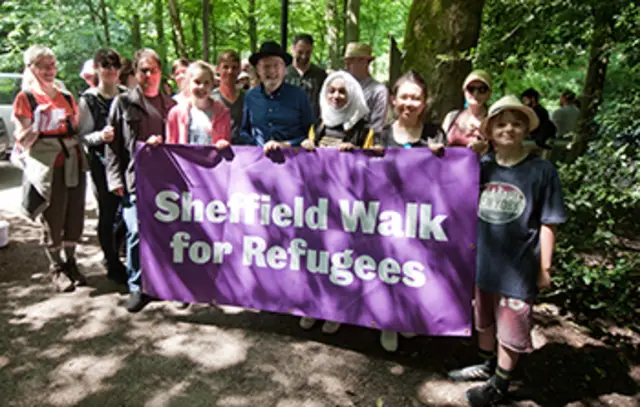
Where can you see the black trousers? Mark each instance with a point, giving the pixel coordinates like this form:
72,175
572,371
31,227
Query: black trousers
111,229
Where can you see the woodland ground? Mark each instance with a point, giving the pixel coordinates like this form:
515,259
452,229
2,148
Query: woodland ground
84,349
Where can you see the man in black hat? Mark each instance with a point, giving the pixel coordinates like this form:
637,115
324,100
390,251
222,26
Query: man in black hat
275,113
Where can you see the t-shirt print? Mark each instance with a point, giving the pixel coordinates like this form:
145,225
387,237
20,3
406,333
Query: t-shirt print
501,203
48,119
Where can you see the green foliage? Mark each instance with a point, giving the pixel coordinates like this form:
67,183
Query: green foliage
602,196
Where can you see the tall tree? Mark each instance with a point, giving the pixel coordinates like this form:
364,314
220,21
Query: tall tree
438,39
602,41
104,18
196,52
159,23
333,40
178,32
352,19
94,18
136,39
206,6
253,26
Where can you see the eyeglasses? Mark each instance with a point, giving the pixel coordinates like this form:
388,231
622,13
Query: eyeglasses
480,89
114,65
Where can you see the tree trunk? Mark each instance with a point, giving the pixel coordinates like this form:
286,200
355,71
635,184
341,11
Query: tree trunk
331,19
105,22
206,11
438,38
214,32
135,32
159,22
195,39
352,19
253,27
591,97
179,41
93,15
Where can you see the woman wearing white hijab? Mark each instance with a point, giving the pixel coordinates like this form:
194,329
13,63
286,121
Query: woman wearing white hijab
342,115
342,125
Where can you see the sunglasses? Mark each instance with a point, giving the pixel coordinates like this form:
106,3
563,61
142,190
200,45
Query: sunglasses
107,65
480,89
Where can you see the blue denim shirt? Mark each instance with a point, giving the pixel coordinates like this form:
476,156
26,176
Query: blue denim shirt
285,115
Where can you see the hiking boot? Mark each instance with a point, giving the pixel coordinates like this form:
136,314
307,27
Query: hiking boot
389,341
71,268
479,372
485,396
307,322
330,327
137,301
117,273
61,280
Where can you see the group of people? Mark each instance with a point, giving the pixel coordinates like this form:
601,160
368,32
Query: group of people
295,104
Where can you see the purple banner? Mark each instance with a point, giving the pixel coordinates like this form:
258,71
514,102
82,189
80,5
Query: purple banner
383,241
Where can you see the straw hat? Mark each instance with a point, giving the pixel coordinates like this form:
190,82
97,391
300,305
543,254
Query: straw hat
358,50
478,75
510,102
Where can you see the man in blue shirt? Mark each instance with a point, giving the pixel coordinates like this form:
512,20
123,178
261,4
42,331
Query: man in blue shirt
275,114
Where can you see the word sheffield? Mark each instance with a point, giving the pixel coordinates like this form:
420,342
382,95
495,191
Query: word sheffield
356,216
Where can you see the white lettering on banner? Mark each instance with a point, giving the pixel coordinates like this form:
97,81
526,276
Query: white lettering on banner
199,252
418,221
164,203
390,222
343,267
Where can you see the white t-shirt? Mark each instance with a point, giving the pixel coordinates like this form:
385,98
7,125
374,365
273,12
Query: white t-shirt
200,126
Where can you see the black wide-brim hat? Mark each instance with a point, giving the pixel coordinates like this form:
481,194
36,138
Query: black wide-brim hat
270,49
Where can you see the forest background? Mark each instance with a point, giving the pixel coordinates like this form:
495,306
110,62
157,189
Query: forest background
591,47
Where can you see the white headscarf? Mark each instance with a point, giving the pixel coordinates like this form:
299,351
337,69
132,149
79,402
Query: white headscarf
355,109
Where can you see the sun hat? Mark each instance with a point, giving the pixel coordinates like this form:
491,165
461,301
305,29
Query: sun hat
510,102
358,50
478,75
270,49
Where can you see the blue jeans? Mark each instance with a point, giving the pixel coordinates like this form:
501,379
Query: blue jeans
130,216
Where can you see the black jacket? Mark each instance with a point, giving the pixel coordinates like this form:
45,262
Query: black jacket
127,117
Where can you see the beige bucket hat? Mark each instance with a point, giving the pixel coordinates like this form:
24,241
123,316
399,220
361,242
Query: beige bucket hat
509,102
358,50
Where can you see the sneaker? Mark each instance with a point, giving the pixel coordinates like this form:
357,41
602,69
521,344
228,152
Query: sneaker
330,327
484,396
307,322
61,280
71,268
137,301
180,304
389,341
479,372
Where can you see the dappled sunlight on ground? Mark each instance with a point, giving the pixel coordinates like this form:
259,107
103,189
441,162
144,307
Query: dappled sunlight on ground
83,349
80,376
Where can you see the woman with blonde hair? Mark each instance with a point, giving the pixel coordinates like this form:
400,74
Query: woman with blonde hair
46,118
200,119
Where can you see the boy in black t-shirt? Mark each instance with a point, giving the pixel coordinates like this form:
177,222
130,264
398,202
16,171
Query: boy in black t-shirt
520,204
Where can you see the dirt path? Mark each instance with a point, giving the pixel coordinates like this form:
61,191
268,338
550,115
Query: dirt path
83,349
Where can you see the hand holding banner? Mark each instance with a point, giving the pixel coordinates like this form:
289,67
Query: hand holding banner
381,241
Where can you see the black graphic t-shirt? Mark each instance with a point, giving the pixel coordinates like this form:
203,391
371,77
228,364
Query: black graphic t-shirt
514,203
